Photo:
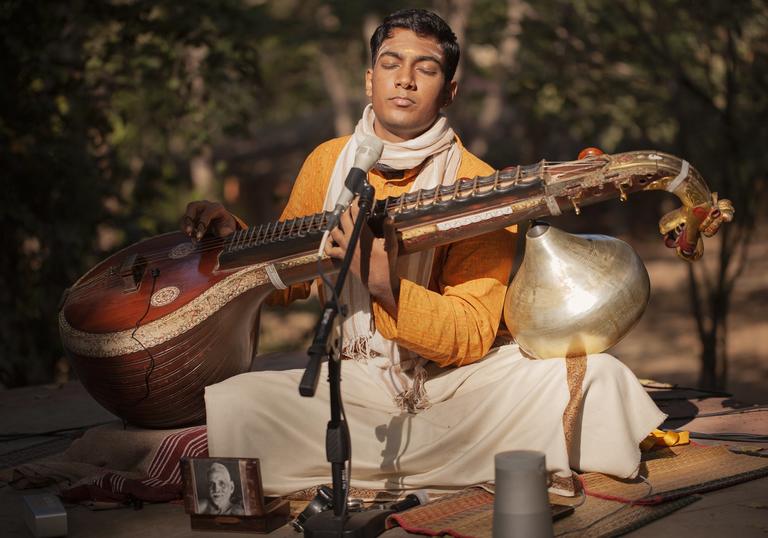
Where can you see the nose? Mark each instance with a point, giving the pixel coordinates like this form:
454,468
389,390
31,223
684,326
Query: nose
405,79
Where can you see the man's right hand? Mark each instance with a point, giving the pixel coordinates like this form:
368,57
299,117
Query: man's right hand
204,216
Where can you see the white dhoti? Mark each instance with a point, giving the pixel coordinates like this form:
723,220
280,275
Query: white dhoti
503,402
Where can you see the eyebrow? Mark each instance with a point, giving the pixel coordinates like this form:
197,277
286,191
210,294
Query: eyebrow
423,58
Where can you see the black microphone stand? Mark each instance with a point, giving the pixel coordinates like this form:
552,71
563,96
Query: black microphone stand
337,442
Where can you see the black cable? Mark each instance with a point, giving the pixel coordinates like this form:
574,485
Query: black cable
648,494
756,407
155,273
751,409
673,386
729,436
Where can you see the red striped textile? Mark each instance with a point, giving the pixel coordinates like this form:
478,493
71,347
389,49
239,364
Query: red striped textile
163,480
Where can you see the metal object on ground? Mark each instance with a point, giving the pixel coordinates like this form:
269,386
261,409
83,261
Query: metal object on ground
45,515
574,294
321,502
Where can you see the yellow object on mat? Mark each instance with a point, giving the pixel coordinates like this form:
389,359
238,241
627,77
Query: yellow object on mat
665,438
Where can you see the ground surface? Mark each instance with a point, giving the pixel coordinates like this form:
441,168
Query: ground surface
740,510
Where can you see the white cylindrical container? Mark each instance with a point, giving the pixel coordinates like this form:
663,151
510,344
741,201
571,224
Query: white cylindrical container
521,504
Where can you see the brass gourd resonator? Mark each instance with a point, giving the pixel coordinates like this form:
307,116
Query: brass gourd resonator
574,294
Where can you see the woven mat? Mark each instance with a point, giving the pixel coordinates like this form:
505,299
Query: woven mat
612,507
463,514
676,472
600,517
469,514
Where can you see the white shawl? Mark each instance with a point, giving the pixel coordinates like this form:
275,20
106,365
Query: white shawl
399,370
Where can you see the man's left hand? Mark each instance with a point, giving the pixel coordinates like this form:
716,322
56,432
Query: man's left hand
373,261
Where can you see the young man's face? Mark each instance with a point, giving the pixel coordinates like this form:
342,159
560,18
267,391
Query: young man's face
407,85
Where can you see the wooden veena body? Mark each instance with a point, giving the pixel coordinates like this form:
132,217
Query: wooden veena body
149,327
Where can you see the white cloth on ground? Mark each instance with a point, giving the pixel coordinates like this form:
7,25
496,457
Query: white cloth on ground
502,402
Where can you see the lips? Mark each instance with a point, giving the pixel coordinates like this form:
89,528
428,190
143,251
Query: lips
401,101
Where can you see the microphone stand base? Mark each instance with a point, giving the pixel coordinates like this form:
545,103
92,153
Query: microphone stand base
365,524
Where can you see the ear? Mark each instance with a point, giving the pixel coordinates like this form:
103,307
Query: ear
449,93
369,82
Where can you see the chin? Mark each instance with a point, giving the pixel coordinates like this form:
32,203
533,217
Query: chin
403,129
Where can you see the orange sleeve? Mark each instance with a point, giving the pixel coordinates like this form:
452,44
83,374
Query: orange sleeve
307,197
457,323
454,322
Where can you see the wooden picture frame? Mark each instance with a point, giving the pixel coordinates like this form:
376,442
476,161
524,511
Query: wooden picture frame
226,494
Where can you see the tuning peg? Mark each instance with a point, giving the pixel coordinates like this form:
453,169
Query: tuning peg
576,207
590,152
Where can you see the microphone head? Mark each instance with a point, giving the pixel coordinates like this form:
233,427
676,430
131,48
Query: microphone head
422,495
368,152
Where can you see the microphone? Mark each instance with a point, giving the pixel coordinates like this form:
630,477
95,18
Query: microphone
368,152
414,499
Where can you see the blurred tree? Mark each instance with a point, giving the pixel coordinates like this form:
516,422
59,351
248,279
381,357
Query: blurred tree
114,114
174,81
686,77
109,119
52,186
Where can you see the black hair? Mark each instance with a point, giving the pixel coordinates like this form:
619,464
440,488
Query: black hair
424,24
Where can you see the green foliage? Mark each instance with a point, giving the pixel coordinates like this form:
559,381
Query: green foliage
51,189
685,77
107,107
103,105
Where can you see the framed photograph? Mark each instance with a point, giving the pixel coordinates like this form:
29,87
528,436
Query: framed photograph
218,486
226,494
223,487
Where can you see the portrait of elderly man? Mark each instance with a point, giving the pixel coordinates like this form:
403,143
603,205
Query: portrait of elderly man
218,493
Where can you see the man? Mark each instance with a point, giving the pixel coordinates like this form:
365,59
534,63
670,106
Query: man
221,489
428,405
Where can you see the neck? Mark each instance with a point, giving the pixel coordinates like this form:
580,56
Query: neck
428,218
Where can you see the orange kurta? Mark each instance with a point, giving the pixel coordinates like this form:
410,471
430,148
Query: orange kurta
454,320
503,402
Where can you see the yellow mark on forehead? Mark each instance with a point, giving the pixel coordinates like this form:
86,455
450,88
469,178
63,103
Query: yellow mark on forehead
407,46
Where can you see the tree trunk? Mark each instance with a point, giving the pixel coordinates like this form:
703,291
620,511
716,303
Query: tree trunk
200,166
493,104
458,16
336,85
202,173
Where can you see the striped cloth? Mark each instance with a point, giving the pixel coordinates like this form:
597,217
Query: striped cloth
162,481
114,465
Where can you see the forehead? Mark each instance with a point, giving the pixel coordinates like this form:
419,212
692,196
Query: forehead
218,474
406,42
